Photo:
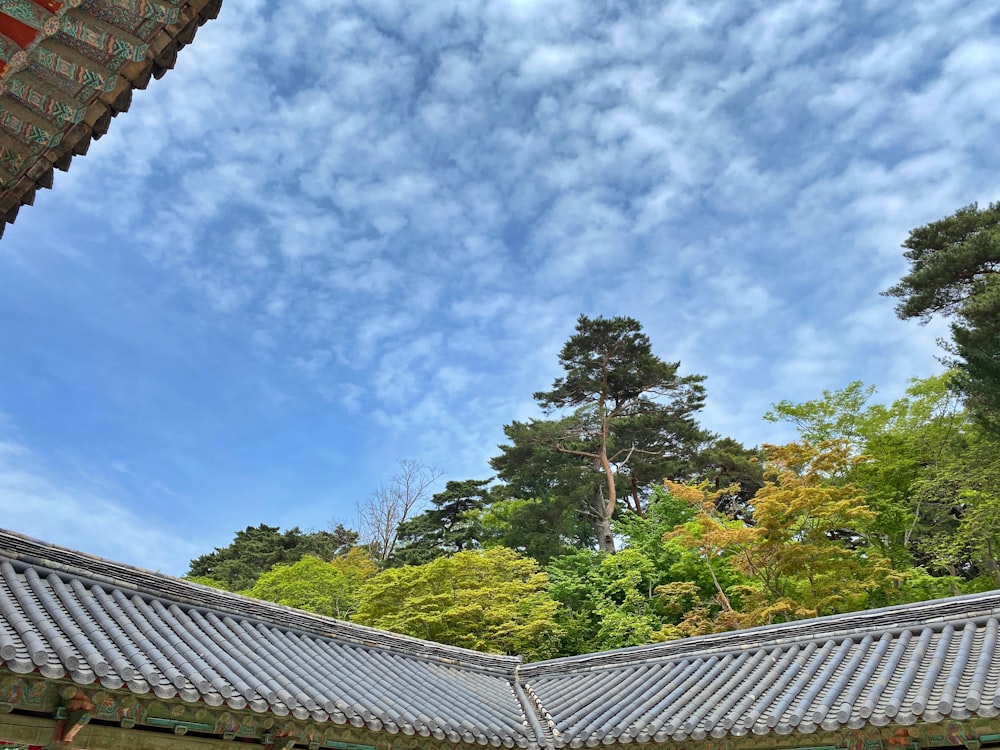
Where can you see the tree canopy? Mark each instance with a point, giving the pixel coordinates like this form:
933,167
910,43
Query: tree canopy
626,418
450,525
257,549
327,588
615,519
955,272
491,600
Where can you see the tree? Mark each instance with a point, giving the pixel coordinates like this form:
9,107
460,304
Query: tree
909,446
625,412
257,549
449,526
391,504
726,465
962,501
955,272
326,588
490,600
535,527
837,415
546,501
807,554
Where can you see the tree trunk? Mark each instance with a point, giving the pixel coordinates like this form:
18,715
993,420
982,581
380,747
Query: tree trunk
635,498
605,537
602,522
609,476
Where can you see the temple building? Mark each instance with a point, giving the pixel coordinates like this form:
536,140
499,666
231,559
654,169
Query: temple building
66,68
100,655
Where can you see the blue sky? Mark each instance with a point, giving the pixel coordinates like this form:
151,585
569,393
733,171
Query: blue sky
343,234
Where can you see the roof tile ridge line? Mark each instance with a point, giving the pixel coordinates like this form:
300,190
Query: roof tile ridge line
831,626
439,653
14,547
531,711
543,712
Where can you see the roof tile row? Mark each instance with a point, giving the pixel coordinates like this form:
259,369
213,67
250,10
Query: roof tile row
65,614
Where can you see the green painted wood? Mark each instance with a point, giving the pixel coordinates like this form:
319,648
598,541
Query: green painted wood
22,122
8,49
163,11
103,36
54,104
73,66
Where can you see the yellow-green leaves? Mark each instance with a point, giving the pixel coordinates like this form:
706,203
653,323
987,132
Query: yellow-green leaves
805,554
326,588
492,600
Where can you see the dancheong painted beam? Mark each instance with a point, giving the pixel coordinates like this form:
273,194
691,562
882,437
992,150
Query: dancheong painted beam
94,654
67,67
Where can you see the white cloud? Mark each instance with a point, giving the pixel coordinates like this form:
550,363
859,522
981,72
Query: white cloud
75,516
402,208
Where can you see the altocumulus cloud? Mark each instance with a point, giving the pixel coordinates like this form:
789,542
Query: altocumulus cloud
415,200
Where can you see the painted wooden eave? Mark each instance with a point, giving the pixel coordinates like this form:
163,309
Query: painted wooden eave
67,67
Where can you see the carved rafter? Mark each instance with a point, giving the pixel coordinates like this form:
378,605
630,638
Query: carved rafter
66,69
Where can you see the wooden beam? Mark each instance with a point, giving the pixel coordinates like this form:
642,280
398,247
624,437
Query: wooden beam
72,718
73,66
32,730
103,36
164,11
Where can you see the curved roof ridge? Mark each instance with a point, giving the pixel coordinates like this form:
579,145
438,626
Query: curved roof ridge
938,612
31,552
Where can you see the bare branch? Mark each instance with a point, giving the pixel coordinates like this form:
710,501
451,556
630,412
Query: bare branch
393,502
585,454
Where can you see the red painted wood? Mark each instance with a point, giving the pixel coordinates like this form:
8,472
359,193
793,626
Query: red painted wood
19,33
50,5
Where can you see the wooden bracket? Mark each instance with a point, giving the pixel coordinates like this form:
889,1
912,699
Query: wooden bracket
68,725
73,717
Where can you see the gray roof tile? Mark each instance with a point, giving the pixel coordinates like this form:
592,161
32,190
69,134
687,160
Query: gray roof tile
923,662
69,615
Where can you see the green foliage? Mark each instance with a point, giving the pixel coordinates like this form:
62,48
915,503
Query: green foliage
807,552
257,549
878,504
492,600
838,415
562,486
962,496
725,464
326,588
919,461
608,600
626,419
536,528
955,272
630,598
449,526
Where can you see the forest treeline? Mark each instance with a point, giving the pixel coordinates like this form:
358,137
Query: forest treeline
615,519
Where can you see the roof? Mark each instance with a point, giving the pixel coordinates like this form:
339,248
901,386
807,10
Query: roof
65,615
67,67
70,615
898,665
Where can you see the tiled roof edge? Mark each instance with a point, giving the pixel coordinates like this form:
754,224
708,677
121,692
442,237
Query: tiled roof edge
161,56
33,552
885,619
